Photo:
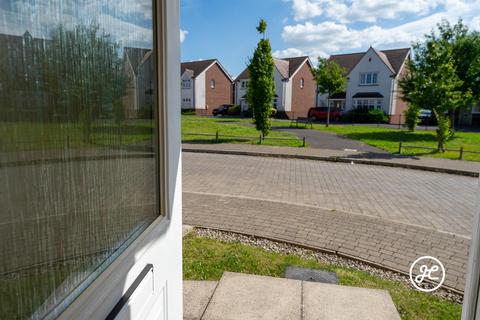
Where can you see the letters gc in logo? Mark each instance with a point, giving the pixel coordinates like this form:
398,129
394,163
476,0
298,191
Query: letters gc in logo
427,268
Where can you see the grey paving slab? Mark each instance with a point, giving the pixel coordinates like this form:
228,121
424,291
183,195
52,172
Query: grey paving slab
196,295
313,275
239,297
333,302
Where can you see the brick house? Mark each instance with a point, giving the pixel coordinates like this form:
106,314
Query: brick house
206,85
373,78
295,87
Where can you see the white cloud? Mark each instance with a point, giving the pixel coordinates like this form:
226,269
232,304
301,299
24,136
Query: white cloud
348,11
330,37
183,34
290,52
304,9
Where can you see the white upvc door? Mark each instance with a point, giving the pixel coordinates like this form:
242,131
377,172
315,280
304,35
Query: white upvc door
145,281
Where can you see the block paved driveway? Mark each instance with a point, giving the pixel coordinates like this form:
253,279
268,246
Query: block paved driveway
439,201
386,216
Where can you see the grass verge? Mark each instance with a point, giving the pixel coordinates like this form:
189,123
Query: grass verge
240,127
389,138
207,259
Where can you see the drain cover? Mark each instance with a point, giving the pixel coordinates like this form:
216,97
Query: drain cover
310,275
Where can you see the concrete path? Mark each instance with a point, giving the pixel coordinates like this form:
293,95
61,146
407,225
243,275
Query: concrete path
241,296
384,216
326,140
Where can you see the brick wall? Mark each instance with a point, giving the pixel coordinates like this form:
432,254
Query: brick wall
400,104
221,94
302,98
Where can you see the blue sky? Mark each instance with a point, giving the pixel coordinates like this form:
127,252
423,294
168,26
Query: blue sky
225,29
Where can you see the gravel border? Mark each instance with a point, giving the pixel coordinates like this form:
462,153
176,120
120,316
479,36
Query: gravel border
317,255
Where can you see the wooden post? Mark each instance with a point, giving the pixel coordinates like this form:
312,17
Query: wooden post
400,148
461,153
260,141
216,137
399,121
303,144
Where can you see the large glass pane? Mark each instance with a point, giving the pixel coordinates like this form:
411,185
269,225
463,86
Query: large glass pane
78,152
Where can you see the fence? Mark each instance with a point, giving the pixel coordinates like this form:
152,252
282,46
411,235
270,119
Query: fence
217,138
461,151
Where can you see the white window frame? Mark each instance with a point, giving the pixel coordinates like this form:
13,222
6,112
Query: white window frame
212,83
186,84
368,78
302,83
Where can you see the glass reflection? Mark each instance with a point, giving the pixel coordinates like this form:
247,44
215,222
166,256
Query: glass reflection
77,145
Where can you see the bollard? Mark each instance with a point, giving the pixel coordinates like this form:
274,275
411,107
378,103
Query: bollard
303,144
461,153
400,148
216,137
260,141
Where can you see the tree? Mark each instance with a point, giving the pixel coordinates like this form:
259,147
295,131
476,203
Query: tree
331,79
433,81
261,88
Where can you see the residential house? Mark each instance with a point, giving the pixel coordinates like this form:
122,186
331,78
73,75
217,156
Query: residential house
295,87
206,85
373,82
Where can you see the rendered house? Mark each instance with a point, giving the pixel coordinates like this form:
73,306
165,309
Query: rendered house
206,85
373,78
294,87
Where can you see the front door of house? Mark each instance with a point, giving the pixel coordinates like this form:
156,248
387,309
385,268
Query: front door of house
90,193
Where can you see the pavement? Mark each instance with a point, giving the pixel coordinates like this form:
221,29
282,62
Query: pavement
240,296
458,167
384,216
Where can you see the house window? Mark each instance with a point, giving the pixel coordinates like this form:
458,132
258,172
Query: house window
66,219
368,104
368,78
302,83
212,84
244,84
186,84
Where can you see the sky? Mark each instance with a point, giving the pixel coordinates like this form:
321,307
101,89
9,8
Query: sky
225,29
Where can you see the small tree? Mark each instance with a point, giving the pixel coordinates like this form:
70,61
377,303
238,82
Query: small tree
330,79
412,115
261,88
433,82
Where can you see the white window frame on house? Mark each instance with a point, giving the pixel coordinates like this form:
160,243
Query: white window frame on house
336,101
212,83
368,78
186,84
368,103
243,84
302,83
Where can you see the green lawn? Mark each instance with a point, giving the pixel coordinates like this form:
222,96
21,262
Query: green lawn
240,127
206,259
388,139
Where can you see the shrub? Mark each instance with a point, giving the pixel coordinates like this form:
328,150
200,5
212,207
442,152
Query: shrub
365,116
412,117
273,112
234,110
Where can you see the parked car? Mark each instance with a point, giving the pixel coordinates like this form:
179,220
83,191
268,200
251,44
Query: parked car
222,110
320,113
426,117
